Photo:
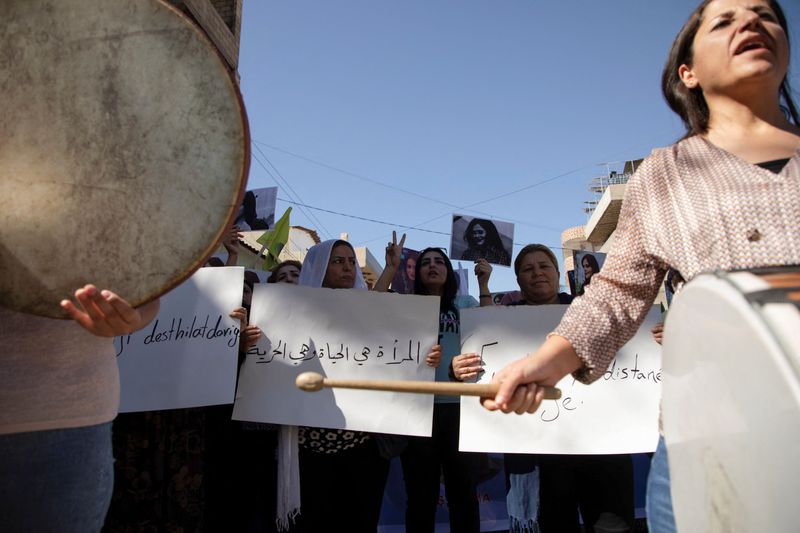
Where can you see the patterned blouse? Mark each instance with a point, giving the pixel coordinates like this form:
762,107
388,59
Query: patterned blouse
329,441
692,207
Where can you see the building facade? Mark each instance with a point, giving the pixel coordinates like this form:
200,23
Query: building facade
603,209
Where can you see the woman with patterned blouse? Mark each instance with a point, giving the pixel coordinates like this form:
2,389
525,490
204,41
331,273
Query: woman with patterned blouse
726,196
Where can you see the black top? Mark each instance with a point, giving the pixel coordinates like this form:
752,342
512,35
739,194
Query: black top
563,298
774,166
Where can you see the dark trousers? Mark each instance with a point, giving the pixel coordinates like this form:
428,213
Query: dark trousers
593,484
425,460
192,470
342,491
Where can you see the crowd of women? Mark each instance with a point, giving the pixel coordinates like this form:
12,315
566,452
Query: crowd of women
206,469
726,196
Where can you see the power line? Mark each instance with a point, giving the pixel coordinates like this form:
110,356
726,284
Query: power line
278,183
527,187
412,193
363,218
392,224
318,221
417,227
354,175
310,216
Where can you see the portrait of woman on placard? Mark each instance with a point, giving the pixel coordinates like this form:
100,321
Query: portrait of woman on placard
403,280
590,264
482,240
257,211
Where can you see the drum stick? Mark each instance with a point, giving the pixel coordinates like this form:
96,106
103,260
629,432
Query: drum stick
312,382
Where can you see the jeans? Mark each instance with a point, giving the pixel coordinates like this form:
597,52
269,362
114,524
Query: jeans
660,518
56,480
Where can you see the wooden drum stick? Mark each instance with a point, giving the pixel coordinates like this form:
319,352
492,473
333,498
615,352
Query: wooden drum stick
311,382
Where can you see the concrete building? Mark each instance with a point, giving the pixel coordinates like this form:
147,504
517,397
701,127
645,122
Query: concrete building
300,240
603,209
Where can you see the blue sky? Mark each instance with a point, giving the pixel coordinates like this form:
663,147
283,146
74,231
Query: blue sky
406,112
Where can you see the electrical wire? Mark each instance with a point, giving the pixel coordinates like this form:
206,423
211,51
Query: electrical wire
310,216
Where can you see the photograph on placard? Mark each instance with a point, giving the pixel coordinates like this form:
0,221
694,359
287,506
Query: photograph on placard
672,281
257,211
587,264
479,238
571,278
403,281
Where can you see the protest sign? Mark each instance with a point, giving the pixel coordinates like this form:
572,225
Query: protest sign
344,334
478,238
616,414
187,356
257,211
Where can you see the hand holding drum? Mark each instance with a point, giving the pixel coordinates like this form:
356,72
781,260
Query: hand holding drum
312,382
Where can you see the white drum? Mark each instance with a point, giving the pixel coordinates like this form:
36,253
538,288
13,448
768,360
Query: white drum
730,401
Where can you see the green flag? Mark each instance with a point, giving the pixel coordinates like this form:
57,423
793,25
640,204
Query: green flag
274,240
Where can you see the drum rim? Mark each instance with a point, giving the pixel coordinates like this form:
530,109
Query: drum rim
246,155
758,310
243,169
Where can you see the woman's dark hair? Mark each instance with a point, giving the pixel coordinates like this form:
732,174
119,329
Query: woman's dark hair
690,104
340,242
450,289
492,236
273,276
592,260
250,279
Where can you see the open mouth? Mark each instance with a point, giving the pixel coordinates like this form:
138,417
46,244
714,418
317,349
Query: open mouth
755,43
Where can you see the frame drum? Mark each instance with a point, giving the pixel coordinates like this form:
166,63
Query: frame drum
730,401
124,149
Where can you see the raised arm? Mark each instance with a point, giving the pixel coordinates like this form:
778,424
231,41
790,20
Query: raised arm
394,251
483,271
606,317
231,244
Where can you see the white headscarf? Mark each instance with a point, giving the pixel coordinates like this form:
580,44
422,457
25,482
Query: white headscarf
315,266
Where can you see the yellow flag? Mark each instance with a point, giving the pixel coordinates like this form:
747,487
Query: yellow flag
273,241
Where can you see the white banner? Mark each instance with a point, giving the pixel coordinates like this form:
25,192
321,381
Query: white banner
187,356
344,334
616,414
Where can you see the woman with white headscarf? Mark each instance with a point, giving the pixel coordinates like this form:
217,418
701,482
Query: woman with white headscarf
342,474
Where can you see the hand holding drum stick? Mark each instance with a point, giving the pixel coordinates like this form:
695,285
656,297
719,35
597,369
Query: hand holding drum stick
312,382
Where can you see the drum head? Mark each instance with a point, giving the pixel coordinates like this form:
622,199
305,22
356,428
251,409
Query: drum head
124,149
731,409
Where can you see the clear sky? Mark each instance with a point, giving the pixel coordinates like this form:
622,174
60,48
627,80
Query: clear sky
406,112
